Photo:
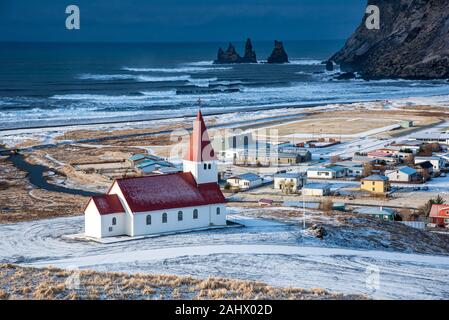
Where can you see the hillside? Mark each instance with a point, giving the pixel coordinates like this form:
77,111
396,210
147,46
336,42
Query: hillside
412,42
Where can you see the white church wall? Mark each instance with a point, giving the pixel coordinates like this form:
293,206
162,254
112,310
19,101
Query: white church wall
108,229
172,224
218,219
92,221
115,189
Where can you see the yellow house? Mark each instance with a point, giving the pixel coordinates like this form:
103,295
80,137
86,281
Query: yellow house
375,184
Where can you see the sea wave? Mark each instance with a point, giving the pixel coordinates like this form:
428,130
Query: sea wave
138,78
177,69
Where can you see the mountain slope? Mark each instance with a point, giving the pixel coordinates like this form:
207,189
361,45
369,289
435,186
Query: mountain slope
412,42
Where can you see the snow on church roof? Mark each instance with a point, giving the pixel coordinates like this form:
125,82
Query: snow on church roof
170,191
108,204
199,147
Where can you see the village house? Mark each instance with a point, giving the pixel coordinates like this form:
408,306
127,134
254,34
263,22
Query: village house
432,137
439,215
159,204
375,184
437,162
408,145
425,168
326,173
245,181
353,168
316,189
402,174
269,158
290,180
379,213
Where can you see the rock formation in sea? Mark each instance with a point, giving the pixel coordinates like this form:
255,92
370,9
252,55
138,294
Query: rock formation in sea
278,55
412,42
231,55
250,54
228,56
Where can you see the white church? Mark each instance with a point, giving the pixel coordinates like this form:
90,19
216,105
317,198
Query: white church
157,204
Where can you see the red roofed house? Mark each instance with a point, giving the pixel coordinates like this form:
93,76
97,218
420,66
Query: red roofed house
439,215
163,203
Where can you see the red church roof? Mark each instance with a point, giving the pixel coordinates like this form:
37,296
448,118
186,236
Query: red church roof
167,192
108,204
200,148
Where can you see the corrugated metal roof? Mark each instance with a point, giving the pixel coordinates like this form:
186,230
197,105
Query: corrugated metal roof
376,177
108,204
407,170
317,186
162,192
376,211
288,175
249,176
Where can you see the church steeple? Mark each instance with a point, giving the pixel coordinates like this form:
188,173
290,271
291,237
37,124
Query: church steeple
200,158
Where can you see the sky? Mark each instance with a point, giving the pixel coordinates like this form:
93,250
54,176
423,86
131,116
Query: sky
180,20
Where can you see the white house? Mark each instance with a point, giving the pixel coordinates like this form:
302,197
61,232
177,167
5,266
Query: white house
316,189
245,181
296,180
163,203
321,173
437,162
327,173
402,174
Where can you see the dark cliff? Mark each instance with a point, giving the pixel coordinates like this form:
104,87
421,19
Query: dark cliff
412,42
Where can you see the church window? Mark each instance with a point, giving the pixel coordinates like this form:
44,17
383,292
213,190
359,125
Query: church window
209,166
148,220
180,216
114,221
164,217
205,166
218,211
195,214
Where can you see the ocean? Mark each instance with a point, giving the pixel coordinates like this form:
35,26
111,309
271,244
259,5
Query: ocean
49,84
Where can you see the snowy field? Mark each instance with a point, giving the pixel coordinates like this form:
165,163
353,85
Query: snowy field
267,251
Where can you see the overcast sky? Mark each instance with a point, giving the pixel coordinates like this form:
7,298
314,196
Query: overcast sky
180,20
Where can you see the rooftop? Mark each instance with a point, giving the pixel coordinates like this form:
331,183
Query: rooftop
375,177
108,204
317,186
249,176
375,211
169,191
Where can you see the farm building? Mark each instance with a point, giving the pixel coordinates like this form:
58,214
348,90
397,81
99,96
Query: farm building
163,203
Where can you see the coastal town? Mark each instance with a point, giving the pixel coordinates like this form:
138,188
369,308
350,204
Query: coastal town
356,183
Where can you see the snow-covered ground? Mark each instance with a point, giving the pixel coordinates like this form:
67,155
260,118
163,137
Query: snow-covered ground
268,251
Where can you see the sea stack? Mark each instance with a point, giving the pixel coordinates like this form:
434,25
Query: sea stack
250,54
231,55
278,55
228,56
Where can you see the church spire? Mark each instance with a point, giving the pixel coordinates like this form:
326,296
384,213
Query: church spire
200,148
